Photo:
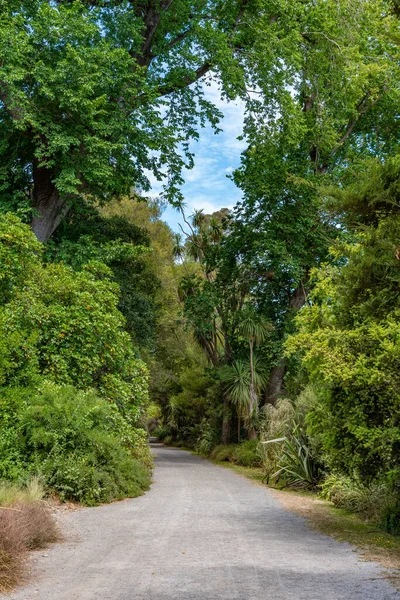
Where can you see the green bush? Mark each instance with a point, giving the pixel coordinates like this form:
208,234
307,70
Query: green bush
61,332
223,453
79,443
248,454
206,439
13,462
19,254
64,324
376,502
161,432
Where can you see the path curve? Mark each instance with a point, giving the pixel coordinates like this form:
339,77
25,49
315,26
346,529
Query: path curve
201,533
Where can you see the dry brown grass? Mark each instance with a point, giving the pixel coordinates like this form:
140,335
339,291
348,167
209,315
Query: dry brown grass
13,549
39,525
23,526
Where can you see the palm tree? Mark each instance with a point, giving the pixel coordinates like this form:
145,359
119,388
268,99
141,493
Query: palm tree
255,328
237,380
178,247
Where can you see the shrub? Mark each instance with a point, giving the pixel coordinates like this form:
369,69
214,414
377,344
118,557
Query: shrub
161,432
82,445
248,454
64,324
223,453
298,466
390,518
137,442
206,439
289,453
26,522
39,526
19,253
377,502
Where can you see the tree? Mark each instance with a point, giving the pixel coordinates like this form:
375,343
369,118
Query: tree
133,99
125,106
348,337
254,329
242,383
337,110
124,247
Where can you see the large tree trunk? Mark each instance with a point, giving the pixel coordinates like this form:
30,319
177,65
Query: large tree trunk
275,386
48,204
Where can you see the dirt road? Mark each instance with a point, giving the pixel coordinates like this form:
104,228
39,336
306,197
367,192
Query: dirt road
201,533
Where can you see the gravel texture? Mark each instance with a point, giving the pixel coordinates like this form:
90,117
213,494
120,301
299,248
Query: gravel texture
201,533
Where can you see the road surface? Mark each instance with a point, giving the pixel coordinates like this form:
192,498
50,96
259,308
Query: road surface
201,533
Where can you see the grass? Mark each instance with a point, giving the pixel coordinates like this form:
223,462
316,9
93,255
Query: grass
10,493
26,523
338,523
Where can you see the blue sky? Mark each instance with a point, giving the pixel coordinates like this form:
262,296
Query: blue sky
206,185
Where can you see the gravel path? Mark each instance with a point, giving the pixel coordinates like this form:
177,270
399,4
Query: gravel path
201,533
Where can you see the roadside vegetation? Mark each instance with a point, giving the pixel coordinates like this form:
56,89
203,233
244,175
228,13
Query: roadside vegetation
265,335
26,523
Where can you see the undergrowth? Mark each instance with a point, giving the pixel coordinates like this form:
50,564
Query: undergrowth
26,523
247,453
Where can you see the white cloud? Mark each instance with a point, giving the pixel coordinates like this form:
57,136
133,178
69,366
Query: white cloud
207,186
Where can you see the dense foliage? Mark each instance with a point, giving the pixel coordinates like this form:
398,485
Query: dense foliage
349,335
61,331
265,335
132,100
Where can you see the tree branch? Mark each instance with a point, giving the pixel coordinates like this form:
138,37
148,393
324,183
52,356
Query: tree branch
179,38
151,21
164,90
362,108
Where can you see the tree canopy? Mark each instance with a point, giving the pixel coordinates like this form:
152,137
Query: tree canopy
94,96
266,334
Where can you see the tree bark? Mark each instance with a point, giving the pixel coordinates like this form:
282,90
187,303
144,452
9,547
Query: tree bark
51,208
275,386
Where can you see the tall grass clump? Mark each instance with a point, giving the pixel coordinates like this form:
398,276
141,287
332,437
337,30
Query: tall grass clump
26,523
375,501
275,419
290,456
12,493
